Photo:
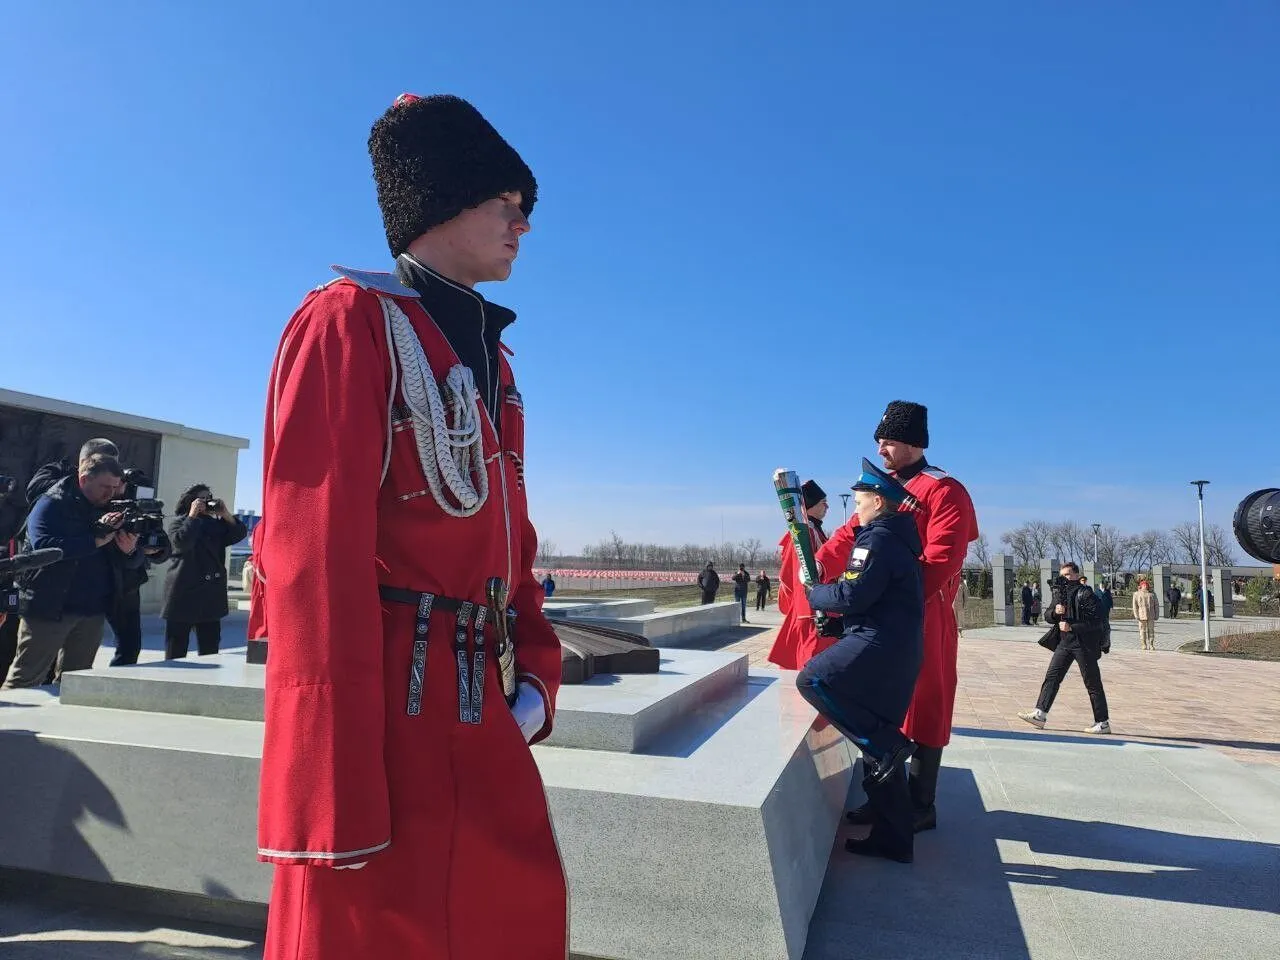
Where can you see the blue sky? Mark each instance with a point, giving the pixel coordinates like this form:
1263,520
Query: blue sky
1055,224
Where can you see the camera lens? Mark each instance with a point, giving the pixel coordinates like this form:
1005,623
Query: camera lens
1255,525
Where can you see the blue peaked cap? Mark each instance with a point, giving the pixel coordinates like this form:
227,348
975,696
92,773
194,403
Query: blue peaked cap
875,480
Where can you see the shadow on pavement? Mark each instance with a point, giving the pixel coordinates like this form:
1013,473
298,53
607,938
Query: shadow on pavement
1242,874
954,901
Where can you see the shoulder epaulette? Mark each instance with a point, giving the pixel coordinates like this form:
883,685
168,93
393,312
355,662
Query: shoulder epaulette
936,472
376,282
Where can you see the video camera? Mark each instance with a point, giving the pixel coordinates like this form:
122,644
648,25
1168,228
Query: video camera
143,514
1257,525
143,517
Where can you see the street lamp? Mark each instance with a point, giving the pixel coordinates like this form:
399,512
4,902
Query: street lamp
844,503
1096,528
1204,572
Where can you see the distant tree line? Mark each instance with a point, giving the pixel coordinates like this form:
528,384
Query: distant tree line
615,553
1118,551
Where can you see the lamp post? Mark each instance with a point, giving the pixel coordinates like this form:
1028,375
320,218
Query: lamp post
1204,571
1096,528
844,503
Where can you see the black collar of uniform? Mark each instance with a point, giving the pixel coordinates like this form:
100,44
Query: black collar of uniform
438,290
909,473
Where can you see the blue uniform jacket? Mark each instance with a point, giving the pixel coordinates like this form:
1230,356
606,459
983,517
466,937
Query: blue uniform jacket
880,595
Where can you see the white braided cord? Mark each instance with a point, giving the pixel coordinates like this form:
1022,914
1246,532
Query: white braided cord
450,441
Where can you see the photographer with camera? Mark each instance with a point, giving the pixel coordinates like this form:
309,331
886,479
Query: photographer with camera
143,516
195,589
12,513
1076,634
64,605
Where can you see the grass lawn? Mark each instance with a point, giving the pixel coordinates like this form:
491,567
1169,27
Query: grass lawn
1239,646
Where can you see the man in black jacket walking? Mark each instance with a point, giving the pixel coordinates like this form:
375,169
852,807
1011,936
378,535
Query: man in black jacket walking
1028,601
1076,634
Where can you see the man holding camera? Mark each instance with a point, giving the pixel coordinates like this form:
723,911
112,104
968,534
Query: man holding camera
1076,634
64,605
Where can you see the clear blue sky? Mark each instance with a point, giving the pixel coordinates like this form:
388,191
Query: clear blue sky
1058,225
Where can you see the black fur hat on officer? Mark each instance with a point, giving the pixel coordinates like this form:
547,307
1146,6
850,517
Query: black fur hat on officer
905,422
434,157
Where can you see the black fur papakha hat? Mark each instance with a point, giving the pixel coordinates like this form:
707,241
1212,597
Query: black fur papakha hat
434,157
905,422
813,494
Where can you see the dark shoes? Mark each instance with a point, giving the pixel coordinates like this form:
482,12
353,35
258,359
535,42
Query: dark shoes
924,819
886,768
873,846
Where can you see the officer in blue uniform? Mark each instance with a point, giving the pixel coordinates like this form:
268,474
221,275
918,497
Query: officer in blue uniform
863,684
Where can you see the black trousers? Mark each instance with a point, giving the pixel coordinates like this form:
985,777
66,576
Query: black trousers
926,762
874,735
8,644
177,638
1173,610
1086,656
761,599
126,623
708,596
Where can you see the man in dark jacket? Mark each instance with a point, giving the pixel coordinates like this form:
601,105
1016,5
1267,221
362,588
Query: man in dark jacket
709,583
863,684
64,605
1028,599
49,474
763,585
195,588
1077,635
741,583
1174,597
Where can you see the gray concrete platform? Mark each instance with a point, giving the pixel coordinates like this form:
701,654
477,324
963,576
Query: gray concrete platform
709,841
623,713
1050,847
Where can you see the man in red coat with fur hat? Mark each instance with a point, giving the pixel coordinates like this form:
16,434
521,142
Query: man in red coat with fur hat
798,641
399,799
947,524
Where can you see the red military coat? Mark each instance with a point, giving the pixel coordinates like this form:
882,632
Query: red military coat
257,629
797,641
450,818
947,525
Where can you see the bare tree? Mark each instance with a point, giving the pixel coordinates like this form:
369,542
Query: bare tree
750,550
1219,547
548,552
1068,540
1150,548
980,552
1186,542
1019,545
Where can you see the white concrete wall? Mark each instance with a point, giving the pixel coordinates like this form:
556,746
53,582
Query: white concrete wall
185,461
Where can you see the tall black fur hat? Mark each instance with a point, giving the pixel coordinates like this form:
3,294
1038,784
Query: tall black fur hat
434,157
905,422
813,494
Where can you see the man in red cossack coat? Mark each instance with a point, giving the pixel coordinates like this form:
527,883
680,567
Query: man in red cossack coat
947,524
798,641
410,663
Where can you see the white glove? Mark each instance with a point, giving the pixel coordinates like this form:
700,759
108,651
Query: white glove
529,710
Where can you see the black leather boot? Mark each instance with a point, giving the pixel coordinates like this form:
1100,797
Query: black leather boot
891,827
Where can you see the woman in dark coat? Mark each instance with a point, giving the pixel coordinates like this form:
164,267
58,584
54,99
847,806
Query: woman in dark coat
863,684
195,589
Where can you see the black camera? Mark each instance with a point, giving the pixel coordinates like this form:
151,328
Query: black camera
142,517
213,505
1257,525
